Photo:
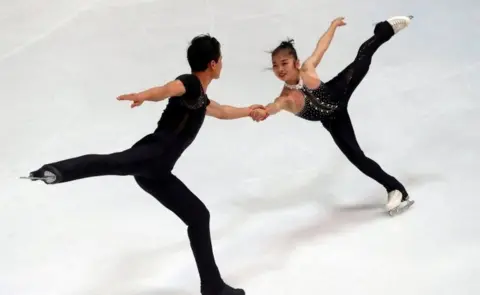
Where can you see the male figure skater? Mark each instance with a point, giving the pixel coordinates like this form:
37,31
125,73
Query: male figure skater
152,158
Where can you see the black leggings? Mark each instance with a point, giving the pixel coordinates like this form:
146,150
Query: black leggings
175,196
345,83
149,163
340,127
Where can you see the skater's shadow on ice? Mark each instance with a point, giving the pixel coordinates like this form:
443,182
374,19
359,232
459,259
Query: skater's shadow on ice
340,218
275,248
131,267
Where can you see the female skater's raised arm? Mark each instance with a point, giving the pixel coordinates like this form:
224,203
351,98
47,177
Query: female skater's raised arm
322,45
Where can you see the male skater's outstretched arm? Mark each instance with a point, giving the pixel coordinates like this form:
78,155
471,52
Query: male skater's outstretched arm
177,88
173,88
227,112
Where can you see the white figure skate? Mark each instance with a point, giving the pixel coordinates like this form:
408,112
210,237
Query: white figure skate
399,23
46,176
396,204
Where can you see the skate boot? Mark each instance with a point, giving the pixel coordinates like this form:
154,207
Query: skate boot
394,199
226,290
399,23
48,176
398,202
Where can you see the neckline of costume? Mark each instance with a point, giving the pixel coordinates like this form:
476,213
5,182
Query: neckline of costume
297,86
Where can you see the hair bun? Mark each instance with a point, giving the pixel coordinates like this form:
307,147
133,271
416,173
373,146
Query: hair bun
288,46
287,43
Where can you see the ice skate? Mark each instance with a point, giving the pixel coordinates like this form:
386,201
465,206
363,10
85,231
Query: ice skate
227,290
398,203
404,206
399,23
48,177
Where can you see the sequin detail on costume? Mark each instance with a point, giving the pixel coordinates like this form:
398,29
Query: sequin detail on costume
319,103
197,103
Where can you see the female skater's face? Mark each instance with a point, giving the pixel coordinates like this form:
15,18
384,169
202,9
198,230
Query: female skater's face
285,66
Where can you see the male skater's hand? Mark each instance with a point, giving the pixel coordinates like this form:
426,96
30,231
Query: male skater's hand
338,22
259,114
253,108
256,106
137,101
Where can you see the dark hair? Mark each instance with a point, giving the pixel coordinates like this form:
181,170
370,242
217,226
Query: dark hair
286,45
201,51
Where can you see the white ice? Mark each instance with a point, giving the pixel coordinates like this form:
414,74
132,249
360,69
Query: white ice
290,215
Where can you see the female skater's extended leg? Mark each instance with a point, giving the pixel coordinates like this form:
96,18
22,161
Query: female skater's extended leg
174,195
347,80
343,134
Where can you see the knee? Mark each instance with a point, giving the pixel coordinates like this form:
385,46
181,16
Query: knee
200,216
363,160
203,215
352,153
357,157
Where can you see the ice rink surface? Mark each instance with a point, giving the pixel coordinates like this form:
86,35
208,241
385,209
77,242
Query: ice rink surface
290,215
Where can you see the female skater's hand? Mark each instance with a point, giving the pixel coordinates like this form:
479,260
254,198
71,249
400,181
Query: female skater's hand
256,106
338,22
132,97
253,111
258,114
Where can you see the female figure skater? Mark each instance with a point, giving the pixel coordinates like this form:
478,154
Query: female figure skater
308,97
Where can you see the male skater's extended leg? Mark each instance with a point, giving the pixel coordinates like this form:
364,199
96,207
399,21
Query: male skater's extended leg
133,161
174,195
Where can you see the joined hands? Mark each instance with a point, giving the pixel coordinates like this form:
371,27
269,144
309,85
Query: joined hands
259,113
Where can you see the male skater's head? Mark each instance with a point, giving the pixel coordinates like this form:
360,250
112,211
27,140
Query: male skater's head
204,55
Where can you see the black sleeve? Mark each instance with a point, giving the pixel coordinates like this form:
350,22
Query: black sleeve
193,89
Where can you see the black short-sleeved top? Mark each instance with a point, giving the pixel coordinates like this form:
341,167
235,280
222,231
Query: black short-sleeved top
182,118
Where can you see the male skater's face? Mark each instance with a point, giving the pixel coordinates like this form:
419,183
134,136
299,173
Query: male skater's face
284,66
216,68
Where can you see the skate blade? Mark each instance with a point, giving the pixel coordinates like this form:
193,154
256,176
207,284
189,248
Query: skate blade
404,206
409,16
33,178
